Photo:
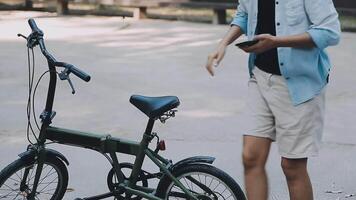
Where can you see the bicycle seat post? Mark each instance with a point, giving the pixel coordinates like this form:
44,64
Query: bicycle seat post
141,154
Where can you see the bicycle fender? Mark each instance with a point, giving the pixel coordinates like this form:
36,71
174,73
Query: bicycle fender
193,160
32,153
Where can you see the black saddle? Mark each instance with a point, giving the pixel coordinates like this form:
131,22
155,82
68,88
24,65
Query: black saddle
154,107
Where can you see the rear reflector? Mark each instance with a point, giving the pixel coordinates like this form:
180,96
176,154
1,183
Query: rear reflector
162,145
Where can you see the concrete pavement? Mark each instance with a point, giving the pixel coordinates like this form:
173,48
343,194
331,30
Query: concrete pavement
155,57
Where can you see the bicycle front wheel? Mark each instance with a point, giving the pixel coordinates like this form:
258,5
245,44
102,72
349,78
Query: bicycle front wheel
16,180
205,182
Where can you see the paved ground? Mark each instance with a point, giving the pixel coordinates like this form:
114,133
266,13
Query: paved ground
154,57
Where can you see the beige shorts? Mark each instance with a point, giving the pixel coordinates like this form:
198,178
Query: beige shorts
297,130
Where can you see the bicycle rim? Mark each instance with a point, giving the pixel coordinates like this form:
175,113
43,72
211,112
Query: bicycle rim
217,186
49,183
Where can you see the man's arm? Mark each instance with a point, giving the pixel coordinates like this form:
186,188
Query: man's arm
296,41
215,57
237,28
324,31
233,33
267,41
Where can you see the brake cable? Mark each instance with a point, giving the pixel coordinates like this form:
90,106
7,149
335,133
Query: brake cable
30,84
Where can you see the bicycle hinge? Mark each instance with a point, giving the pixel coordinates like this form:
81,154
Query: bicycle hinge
47,117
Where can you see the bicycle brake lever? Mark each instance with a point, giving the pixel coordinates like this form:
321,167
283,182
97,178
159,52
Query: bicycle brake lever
64,75
71,85
20,35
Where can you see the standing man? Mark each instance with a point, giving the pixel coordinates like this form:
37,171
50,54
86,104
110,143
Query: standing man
289,70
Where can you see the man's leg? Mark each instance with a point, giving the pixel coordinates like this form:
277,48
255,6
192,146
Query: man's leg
255,154
298,181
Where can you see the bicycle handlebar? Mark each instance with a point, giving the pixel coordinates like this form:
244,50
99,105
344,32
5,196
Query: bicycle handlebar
81,74
71,68
34,26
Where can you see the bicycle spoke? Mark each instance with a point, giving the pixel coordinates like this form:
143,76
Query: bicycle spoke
31,177
18,176
186,182
223,191
47,185
15,180
203,186
16,196
229,196
210,182
6,195
42,179
9,187
217,186
21,174
46,175
44,192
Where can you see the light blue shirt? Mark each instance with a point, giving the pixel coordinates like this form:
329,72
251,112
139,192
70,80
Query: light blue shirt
305,69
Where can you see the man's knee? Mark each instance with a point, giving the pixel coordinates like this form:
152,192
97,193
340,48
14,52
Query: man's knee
293,168
255,152
249,160
252,159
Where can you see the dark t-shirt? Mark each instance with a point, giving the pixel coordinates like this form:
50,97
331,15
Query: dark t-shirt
268,60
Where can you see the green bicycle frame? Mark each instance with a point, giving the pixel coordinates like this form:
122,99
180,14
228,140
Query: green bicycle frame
106,144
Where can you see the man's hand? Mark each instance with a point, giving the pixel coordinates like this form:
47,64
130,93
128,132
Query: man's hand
265,43
214,59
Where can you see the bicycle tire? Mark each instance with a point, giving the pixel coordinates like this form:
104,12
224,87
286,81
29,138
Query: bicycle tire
165,185
14,171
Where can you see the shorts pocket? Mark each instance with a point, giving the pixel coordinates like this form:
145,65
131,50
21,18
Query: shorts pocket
295,12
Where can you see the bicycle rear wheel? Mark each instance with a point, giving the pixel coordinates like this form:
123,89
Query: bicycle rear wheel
52,183
206,182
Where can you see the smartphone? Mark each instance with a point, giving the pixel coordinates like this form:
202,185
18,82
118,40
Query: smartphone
246,43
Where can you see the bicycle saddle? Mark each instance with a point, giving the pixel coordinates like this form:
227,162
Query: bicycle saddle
154,107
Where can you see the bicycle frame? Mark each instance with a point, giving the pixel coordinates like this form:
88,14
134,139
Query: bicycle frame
104,144
107,144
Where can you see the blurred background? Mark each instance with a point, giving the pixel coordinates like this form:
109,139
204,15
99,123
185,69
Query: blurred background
207,11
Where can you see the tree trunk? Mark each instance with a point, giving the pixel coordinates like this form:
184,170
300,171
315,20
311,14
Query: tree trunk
28,4
62,7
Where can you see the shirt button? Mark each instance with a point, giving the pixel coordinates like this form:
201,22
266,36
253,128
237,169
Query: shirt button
278,24
277,2
282,64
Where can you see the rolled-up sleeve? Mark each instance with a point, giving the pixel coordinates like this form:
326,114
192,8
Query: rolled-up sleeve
241,17
325,29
